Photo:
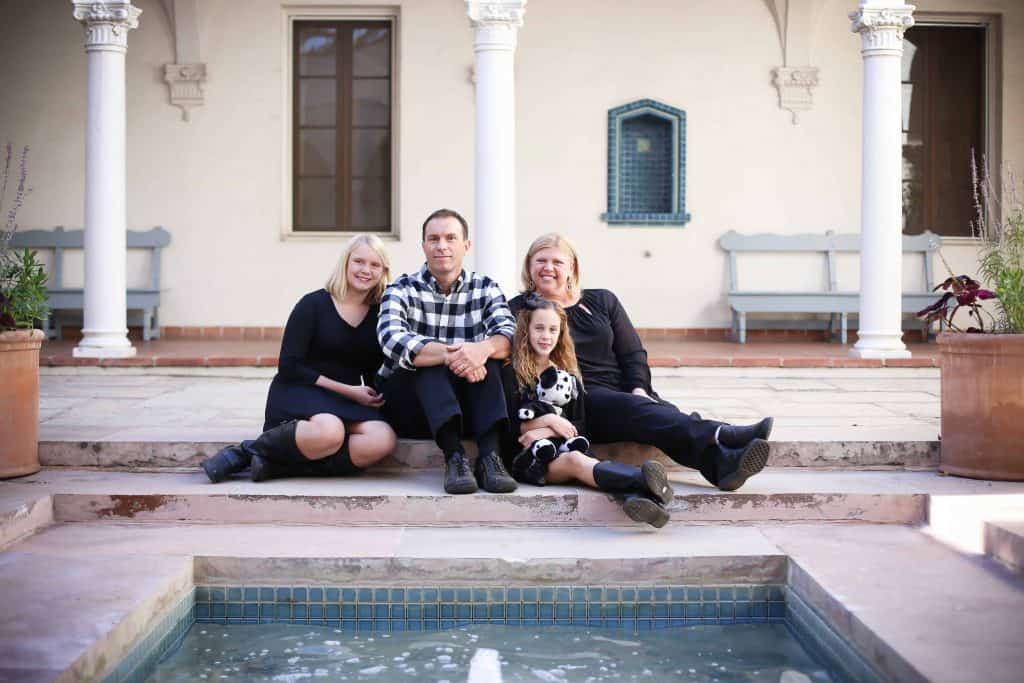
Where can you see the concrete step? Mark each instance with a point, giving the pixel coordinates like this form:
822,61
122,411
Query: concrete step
1004,541
416,498
411,453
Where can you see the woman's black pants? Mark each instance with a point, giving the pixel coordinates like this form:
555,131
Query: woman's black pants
418,403
688,439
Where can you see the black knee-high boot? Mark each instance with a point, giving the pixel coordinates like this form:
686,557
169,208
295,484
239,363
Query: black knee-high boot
276,455
646,489
228,460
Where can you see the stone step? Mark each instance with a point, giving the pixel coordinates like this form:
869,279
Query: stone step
1004,541
412,453
416,498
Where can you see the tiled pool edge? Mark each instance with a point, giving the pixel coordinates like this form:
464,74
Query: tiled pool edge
825,644
143,657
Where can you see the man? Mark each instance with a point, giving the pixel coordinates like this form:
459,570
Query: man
443,332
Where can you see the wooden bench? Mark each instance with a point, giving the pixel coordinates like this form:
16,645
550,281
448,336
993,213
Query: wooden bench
145,301
831,301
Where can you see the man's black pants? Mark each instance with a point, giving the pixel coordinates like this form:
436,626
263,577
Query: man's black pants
419,402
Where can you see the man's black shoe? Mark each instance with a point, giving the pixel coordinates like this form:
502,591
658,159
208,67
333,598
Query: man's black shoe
738,436
492,476
736,465
457,476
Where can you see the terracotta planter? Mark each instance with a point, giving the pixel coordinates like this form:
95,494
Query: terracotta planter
19,402
983,405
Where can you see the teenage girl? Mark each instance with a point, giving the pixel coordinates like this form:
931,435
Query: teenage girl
542,342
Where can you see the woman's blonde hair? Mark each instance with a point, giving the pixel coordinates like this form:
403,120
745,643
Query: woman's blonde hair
524,361
337,283
556,241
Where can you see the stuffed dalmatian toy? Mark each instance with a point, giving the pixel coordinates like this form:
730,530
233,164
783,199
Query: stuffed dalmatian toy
556,389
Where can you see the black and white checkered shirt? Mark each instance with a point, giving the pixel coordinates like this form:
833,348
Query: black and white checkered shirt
414,312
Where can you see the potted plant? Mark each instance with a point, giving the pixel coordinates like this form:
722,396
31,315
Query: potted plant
982,366
22,303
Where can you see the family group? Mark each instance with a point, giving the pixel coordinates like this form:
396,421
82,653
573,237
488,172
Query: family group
441,354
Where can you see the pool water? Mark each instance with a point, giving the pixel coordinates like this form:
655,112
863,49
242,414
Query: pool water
550,654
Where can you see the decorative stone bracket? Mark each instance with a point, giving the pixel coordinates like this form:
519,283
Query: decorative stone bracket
795,86
795,80
185,77
186,84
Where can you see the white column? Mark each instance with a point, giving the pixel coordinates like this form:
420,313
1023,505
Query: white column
495,26
881,24
105,328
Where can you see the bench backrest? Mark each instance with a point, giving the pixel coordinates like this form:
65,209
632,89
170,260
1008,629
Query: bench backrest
828,244
60,239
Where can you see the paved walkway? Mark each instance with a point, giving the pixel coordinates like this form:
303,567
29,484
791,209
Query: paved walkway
226,404
665,353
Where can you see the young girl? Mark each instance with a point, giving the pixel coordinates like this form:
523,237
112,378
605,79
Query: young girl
555,447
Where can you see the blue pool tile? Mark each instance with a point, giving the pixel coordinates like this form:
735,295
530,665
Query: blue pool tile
480,611
348,595
759,610
547,594
563,595
644,611
333,611
202,594
742,593
364,625
496,610
693,610
431,626
677,609
447,623
316,612
777,610
284,594
627,610
693,595
414,625
677,593
398,626
234,611
380,611
463,595
644,595
709,594
316,594
447,595
431,611
759,593
364,611
333,595
283,611
661,594
496,595
627,594
579,611
644,624
365,595
727,610
380,595
479,595
562,612
514,594
514,611
348,624
430,595
529,595
776,593
218,611
414,612
595,595
348,611
397,595
579,595
709,610
447,611
742,610
512,622
300,612
251,610
726,594
202,610
661,610
414,595
235,594
463,611
252,595
545,612
610,609
530,611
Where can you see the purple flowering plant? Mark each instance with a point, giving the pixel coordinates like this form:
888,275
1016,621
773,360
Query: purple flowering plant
961,291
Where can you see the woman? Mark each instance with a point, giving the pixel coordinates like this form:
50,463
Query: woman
322,416
620,403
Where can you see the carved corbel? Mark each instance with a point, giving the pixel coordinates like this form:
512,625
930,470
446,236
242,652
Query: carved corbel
795,80
185,77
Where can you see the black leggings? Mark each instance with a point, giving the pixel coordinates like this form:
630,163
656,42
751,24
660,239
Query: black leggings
688,439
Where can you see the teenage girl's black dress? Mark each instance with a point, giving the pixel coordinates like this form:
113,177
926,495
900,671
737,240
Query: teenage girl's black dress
317,341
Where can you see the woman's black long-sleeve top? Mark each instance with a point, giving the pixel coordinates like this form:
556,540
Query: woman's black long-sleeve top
608,348
318,341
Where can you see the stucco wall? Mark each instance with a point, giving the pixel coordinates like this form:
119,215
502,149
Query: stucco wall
216,182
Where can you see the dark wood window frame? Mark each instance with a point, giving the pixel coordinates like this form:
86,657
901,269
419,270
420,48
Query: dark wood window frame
344,79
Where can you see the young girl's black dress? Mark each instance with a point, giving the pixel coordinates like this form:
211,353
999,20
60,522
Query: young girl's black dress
317,341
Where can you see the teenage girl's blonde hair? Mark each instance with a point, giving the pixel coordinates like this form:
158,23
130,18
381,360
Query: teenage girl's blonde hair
547,241
337,283
524,361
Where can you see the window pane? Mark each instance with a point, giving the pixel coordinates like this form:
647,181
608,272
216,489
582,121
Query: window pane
371,51
317,203
646,173
370,203
317,102
370,152
317,51
943,118
318,152
371,98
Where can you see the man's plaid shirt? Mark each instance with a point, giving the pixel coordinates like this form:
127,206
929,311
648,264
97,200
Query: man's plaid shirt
414,312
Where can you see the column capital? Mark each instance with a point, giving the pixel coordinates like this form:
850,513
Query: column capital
488,12
881,27
106,22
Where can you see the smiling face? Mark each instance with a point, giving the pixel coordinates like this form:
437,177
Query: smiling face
545,326
551,269
365,269
445,247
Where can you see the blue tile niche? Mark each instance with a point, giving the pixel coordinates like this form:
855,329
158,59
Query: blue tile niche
369,608
646,165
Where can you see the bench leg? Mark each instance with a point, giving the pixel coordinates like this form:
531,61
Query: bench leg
743,328
842,328
147,324
734,332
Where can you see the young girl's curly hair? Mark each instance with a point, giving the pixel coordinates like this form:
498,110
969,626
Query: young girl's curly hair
524,361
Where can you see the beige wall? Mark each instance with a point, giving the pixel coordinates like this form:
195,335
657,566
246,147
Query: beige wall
217,182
